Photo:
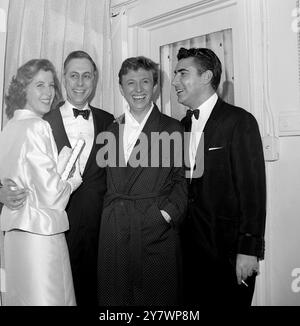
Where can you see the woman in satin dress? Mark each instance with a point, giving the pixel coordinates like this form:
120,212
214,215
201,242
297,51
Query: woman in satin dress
36,259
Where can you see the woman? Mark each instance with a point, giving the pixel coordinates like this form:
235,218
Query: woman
36,258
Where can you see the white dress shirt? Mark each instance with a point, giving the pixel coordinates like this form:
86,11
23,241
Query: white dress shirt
198,126
132,130
79,128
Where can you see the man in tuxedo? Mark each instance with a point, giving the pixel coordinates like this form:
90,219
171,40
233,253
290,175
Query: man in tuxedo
71,120
223,234
74,119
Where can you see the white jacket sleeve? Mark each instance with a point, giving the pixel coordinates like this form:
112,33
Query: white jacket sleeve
48,190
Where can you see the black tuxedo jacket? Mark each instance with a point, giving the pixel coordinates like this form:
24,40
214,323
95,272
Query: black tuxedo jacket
85,204
227,204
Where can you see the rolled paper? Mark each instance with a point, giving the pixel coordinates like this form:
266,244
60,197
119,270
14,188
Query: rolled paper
73,158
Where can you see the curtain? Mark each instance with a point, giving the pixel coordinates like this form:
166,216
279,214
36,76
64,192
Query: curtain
221,43
51,29
119,35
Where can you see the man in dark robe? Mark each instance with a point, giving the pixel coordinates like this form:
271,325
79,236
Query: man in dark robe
139,259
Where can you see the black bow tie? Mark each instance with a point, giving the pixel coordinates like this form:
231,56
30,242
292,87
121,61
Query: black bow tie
190,113
85,113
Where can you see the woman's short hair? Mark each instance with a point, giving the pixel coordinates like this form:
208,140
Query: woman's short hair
15,98
136,63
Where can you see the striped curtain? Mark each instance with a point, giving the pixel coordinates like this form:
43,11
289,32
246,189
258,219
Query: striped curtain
221,43
51,29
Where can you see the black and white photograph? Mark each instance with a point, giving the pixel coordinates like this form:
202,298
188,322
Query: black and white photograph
149,156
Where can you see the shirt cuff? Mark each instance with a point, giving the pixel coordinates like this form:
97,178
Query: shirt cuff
166,216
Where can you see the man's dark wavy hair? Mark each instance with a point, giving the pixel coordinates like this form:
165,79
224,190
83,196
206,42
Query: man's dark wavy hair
205,59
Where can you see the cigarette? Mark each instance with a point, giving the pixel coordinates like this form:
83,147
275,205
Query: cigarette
244,283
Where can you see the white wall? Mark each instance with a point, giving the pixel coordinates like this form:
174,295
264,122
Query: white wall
285,174
3,16
277,51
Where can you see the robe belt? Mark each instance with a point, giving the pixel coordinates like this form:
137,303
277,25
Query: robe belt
109,198
135,242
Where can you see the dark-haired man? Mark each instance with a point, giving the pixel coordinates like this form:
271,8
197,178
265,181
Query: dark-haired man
224,231
139,256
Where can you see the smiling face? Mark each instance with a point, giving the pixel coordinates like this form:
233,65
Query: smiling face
138,89
40,93
190,86
79,81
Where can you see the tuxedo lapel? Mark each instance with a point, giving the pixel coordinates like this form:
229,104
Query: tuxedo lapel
97,129
212,124
187,123
58,129
211,127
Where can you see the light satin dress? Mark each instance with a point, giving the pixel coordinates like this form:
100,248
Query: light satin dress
36,258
